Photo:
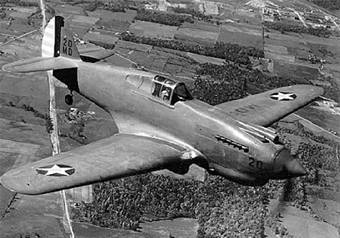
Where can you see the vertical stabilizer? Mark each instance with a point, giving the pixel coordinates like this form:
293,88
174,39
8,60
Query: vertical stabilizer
58,41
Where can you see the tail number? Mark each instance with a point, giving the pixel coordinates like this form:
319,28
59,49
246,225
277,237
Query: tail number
67,46
255,163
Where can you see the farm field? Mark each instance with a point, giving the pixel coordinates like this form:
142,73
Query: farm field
154,30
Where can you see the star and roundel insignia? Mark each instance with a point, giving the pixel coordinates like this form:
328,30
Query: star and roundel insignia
57,170
283,96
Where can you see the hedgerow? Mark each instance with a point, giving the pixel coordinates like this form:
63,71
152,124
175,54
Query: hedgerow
163,17
197,14
230,52
328,4
284,26
113,6
19,3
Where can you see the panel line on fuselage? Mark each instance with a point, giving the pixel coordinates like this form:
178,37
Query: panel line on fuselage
194,153
236,132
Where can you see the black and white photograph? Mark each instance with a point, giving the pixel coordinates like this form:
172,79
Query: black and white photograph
169,119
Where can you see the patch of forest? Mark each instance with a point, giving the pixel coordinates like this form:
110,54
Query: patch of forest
228,51
289,27
190,11
220,83
113,6
328,4
19,3
165,18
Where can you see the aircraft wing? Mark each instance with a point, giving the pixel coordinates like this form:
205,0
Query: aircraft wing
115,157
268,107
94,54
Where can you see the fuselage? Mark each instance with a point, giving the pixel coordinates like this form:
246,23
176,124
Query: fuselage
127,94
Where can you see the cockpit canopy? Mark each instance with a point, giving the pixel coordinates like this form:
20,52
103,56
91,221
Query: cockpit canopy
169,91
160,88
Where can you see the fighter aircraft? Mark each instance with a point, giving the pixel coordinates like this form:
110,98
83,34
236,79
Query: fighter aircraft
161,126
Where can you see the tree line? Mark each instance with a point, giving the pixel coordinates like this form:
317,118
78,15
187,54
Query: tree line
163,17
328,4
228,51
288,27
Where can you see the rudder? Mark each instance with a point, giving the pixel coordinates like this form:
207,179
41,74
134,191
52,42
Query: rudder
58,41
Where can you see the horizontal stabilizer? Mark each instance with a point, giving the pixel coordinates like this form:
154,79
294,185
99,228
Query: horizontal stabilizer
38,64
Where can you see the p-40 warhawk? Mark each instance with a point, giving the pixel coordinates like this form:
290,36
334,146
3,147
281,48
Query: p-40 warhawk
161,126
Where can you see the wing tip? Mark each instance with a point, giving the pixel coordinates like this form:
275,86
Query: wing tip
319,90
6,68
316,90
6,182
14,67
15,181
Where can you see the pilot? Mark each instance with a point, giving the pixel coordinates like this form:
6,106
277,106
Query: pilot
165,94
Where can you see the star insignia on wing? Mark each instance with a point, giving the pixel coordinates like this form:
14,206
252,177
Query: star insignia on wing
56,170
283,96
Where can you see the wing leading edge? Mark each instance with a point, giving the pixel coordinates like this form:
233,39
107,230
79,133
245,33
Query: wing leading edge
268,107
94,54
115,157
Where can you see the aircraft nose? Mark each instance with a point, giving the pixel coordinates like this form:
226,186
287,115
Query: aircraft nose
288,165
294,168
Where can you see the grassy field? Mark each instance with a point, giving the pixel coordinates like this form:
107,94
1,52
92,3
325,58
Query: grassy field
240,38
154,30
196,36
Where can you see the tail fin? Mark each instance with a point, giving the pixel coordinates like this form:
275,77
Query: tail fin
58,41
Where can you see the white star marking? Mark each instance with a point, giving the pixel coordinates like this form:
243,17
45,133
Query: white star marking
55,169
283,96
